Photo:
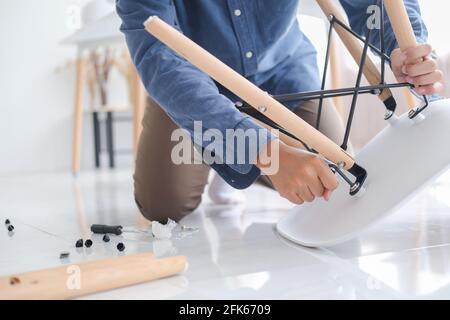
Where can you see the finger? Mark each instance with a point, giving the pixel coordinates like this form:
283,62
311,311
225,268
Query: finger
398,59
415,53
294,198
400,78
297,199
426,79
305,194
425,67
327,195
430,89
316,187
328,179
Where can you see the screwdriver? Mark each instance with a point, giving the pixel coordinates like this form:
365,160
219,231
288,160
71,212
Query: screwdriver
117,230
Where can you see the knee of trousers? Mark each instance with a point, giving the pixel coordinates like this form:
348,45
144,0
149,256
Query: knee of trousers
173,205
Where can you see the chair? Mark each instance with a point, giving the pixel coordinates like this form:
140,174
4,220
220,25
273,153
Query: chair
101,29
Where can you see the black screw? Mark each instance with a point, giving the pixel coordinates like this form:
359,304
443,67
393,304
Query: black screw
88,243
106,238
10,228
79,243
64,255
7,222
120,246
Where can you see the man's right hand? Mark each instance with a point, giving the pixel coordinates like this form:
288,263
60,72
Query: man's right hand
301,176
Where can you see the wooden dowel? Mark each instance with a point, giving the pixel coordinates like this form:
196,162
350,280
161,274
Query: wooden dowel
336,79
401,24
247,91
89,277
403,30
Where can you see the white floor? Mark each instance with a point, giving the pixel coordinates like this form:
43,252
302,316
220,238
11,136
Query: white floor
236,253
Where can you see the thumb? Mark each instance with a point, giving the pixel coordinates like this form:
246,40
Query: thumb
398,58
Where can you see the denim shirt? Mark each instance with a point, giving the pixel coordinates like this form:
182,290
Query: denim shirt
260,39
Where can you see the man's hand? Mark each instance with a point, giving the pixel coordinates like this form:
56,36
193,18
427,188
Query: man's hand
416,67
301,176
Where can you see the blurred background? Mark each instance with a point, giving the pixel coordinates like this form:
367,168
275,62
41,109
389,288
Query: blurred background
42,44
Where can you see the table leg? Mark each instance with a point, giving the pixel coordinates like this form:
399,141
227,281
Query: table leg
110,138
97,138
78,113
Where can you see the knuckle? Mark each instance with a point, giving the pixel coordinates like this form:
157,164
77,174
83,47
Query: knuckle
306,196
410,54
298,186
290,188
417,81
432,64
315,160
292,197
303,173
319,192
310,173
334,185
311,159
284,190
318,165
284,194
408,69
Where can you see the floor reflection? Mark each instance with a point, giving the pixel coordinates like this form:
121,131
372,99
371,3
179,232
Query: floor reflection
234,251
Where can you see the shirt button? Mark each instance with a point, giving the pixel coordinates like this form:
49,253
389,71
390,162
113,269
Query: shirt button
237,12
249,54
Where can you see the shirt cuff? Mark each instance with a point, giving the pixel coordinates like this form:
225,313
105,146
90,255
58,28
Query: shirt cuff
241,176
252,148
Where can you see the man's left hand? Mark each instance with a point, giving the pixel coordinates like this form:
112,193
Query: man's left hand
415,66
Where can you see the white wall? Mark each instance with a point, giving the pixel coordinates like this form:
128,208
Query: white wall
435,15
37,102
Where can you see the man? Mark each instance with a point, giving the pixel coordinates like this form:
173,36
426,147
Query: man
262,40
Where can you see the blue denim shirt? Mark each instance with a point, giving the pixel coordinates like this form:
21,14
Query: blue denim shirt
260,39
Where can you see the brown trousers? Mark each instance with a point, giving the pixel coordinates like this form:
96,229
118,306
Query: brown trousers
165,190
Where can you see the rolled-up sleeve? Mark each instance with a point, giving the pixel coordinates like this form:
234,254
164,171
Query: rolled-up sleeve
184,92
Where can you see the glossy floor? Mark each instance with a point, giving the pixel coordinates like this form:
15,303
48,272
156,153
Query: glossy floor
235,253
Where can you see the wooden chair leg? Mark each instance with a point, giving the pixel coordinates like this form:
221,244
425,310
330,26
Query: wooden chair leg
411,100
336,81
78,113
138,109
